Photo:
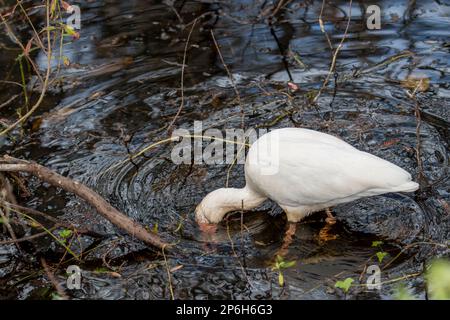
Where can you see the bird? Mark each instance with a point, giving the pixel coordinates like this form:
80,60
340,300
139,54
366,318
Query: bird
303,171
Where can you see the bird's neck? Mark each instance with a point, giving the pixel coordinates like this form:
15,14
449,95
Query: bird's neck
235,199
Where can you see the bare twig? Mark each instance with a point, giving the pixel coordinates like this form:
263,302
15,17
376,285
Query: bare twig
233,163
28,238
4,104
322,27
236,91
336,51
421,175
6,223
243,269
36,34
22,47
6,194
280,5
169,277
183,66
46,79
53,280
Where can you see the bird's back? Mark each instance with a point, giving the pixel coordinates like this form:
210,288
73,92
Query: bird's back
308,168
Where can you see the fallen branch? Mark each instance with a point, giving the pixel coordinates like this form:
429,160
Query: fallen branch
11,164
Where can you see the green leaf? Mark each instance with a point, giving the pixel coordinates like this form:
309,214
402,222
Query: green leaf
155,228
281,264
377,243
381,255
65,233
288,264
278,263
297,59
53,7
101,270
69,30
344,284
56,296
51,28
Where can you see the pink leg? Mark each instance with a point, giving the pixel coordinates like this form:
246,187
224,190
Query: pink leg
330,218
287,239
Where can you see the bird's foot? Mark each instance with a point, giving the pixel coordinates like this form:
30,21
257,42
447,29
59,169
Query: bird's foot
330,221
287,239
325,234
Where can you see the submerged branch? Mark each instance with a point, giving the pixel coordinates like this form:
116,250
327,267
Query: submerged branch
103,207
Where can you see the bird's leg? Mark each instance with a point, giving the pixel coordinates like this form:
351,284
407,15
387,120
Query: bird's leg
287,239
330,218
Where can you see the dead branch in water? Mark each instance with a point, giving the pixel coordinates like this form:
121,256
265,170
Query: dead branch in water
11,164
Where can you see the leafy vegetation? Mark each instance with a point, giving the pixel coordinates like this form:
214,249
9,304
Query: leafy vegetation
376,243
279,266
64,234
380,254
344,285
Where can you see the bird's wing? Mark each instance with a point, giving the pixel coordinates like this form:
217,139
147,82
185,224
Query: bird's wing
301,135
312,172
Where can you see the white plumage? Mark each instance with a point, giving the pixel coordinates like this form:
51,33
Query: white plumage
305,171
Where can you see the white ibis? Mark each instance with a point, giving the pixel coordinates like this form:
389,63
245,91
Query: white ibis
304,171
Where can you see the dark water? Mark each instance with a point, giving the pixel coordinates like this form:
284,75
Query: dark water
122,91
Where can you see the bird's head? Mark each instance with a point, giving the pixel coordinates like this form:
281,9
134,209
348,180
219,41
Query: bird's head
213,208
202,215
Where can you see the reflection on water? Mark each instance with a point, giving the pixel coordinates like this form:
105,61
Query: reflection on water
122,90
